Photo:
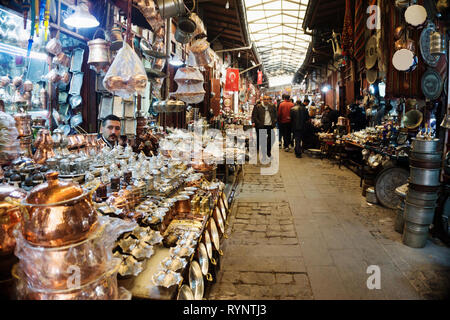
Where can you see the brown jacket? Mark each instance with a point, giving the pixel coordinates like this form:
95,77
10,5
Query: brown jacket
259,113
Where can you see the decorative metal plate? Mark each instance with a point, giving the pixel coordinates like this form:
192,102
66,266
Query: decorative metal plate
425,46
386,182
432,84
371,52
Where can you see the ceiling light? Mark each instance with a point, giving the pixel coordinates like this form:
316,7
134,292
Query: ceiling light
227,5
325,88
81,18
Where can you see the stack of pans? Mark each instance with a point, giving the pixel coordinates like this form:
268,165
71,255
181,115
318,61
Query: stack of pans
425,168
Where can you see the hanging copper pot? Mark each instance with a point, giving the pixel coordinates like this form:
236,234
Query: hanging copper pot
185,30
437,44
99,51
116,38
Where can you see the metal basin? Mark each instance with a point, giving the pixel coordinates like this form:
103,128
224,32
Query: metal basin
424,146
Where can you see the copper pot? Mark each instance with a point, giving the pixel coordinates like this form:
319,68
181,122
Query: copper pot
183,204
9,217
57,213
116,38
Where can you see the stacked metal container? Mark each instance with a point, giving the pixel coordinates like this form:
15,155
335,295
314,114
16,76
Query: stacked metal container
420,204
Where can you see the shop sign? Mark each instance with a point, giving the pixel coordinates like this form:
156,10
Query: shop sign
232,80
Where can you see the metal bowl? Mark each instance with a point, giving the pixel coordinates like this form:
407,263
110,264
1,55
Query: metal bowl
185,293
196,280
173,263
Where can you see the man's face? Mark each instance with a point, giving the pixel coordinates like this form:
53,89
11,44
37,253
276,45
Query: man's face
111,130
266,100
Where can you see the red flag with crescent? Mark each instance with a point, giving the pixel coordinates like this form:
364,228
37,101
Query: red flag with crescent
260,78
232,80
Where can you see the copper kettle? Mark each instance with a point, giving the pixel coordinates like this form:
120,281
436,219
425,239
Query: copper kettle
58,213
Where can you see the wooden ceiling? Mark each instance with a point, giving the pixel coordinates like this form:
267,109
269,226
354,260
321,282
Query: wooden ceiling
224,25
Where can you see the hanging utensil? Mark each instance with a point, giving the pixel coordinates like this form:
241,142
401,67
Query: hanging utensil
33,17
371,52
437,44
36,19
185,30
416,15
26,4
46,18
425,46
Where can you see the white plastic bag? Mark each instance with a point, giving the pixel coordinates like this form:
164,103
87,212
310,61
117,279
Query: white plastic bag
126,75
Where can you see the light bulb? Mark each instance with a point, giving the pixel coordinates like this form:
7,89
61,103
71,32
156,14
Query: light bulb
227,5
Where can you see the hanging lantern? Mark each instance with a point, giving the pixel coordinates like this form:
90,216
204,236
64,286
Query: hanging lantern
437,44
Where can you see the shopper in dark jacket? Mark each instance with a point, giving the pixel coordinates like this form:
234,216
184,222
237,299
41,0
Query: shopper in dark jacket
329,118
264,118
299,119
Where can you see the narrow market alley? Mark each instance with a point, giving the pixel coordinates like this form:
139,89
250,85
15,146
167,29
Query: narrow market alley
307,233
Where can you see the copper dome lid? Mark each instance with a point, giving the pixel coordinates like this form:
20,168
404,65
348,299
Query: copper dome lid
53,191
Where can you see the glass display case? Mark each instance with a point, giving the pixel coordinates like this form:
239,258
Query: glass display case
25,78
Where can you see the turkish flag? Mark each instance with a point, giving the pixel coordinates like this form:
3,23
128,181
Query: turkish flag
232,80
259,77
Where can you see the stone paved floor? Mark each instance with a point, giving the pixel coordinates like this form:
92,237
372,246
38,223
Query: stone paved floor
307,233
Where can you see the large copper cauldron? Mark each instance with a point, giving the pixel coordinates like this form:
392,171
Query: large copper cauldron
57,213
103,288
53,268
9,217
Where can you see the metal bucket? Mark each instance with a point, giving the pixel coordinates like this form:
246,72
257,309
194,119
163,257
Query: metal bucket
185,30
424,146
419,214
415,235
99,50
421,195
116,38
424,177
171,8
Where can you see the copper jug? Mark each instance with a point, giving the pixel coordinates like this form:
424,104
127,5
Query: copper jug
116,38
99,51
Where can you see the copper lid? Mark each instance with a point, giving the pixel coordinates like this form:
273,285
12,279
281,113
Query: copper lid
53,191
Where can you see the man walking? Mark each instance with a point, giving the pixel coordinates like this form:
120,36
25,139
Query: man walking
264,118
299,118
284,120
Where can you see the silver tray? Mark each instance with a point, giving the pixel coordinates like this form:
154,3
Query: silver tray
432,84
76,83
77,60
